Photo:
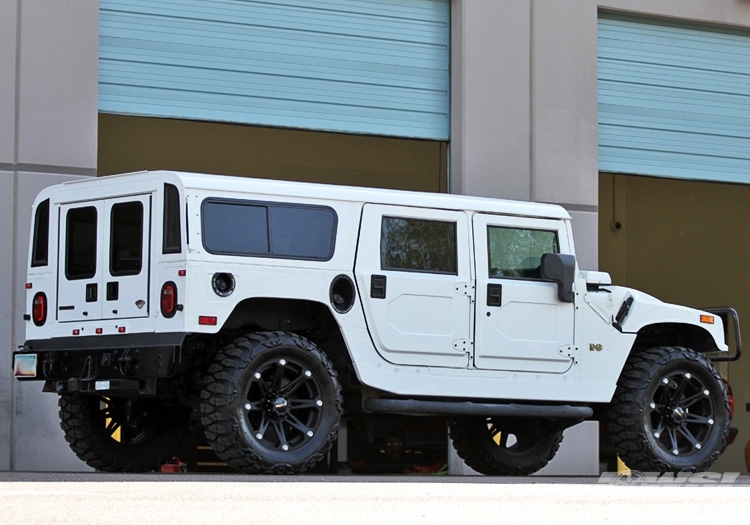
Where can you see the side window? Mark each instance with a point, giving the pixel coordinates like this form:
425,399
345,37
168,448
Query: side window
299,232
126,239
418,245
517,252
171,235
80,243
264,229
40,244
235,228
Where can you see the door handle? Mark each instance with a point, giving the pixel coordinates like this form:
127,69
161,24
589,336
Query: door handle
494,295
377,286
113,290
92,292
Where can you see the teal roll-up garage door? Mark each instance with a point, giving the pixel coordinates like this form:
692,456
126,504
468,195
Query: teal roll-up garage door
674,100
356,66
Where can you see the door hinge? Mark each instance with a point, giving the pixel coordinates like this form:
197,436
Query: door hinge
466,289
462,345
572,352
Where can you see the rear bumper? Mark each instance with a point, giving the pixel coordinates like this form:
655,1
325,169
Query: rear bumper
119,359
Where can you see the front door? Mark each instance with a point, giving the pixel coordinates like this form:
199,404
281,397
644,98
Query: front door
414,273
103,255
520,323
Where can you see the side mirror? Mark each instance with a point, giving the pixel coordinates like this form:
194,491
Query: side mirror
560,268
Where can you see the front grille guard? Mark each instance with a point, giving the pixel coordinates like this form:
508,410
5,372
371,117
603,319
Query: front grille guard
725,314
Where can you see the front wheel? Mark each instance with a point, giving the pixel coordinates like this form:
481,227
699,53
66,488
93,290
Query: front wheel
504,447
271,404
670,411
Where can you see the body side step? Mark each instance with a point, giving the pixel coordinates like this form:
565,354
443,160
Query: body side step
413,407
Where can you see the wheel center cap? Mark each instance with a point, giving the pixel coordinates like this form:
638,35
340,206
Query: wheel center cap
678,414
281,405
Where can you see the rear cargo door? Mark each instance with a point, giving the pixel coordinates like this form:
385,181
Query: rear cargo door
104,259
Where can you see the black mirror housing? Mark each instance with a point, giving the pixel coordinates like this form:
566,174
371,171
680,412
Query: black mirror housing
560,268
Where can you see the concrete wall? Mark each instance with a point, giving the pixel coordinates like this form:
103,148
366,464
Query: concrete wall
523,106
48,134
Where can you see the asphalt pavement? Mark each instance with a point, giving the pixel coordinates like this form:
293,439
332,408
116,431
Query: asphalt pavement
44,497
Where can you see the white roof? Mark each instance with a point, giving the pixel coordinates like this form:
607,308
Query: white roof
224,183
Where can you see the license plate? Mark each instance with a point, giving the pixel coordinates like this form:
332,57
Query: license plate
24,365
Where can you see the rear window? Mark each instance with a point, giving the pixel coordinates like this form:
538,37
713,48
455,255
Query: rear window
80,243
171,234
268,229
40,244
126,239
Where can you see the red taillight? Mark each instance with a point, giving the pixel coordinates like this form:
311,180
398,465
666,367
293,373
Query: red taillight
730,395
39,309
207,320
168,299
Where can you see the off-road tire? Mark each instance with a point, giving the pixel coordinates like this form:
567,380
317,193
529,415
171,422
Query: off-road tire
669,399
121,434
503,447
271,403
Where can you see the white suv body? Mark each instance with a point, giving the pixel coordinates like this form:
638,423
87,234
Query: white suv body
440,301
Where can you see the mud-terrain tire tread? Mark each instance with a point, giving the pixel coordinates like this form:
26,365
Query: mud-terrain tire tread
473,443
624,415
87,436
221,387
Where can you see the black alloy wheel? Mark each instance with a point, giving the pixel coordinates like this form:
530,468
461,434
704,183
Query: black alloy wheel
271,403
670,411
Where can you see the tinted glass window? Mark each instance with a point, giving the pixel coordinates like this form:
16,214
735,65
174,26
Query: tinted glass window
269,229
40,245
80,243
418,245
516,252
171,242
126,242
235,228
302,232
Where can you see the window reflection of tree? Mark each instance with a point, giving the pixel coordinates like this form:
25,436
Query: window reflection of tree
417,244
518,252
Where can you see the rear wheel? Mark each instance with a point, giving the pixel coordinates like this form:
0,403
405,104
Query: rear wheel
670,412
504,447
271,403
123,434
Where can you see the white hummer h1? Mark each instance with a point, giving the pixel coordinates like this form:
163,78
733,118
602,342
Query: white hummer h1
268,307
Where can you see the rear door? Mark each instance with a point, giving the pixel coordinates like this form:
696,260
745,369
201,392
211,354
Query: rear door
414,273
104,259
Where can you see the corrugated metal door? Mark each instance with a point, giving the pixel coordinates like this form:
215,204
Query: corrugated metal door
356,66
674,100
